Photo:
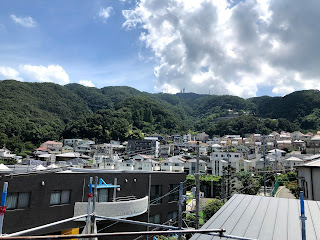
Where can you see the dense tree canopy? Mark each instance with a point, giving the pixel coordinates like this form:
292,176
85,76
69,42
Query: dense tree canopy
31,113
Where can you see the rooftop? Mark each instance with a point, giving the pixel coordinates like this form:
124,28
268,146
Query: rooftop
264,218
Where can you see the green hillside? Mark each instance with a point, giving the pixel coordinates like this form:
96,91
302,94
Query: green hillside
31,113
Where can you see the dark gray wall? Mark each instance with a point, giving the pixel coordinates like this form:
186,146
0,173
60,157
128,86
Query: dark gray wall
40,212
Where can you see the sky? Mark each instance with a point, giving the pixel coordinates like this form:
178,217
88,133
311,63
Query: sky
246,48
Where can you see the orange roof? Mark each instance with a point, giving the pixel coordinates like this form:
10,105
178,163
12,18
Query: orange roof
52,142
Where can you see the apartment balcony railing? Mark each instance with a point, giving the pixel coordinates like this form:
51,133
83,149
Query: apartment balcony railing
123,207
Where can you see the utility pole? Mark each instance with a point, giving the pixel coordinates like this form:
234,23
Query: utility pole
180,209
223,184
229,174
197,187
276,158
264,166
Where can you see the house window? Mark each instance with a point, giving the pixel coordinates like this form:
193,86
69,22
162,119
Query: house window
18,200
174,196
177,164
155,194
60,197
236,156
154,218
166,164
128,165
172,215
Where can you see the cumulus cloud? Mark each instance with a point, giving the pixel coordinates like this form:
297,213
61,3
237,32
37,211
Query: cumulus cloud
106,13
87,83
52,73
231,47
24,21
9,73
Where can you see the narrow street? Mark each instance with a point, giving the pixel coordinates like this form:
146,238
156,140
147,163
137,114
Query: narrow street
284,192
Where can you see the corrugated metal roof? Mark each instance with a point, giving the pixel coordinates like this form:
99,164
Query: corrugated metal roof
264,218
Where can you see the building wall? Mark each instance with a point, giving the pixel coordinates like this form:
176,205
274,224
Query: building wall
40,212
309,178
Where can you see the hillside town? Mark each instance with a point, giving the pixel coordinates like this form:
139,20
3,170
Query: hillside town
177,153
166,161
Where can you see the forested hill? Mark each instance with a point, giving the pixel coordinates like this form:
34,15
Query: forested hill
31,113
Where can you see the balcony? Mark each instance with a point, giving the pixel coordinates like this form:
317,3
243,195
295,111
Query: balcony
123,207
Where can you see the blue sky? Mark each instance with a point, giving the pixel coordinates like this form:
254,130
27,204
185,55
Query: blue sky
246,48
71,34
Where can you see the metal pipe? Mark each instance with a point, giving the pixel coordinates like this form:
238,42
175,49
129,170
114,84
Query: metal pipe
137,222
115,182
180,209
95,194
197,186
3,205
44,226
302,217
220,231
88,209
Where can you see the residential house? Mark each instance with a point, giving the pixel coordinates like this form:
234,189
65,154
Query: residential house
220,159
282,144
52,146
150,165
291,162
166,150
173,164
299,144
71,142
129,165
190,166
143,147
202,137
313,146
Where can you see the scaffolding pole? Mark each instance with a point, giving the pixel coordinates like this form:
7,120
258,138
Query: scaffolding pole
204,231
44,226
137,222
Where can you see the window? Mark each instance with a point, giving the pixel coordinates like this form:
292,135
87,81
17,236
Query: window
172,215
128,164
174,196
103,194
177,164
18,200
155,194
60,197
154,218
166,164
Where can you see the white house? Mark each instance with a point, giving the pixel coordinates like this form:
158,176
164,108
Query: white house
150,165
129,165
220,159
292,162
190,166
173,164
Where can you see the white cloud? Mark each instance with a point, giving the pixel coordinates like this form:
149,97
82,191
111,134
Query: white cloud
24,21
87,83
243,45
52,73
9,73
106,13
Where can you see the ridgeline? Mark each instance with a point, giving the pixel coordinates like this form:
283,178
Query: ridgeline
31,113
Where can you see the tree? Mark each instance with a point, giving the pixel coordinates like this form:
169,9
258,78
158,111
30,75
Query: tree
211,208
